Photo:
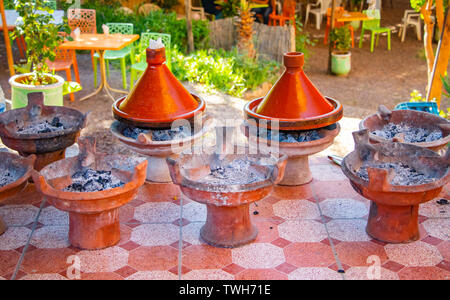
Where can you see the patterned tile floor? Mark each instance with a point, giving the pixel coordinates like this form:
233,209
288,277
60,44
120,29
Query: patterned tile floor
316,231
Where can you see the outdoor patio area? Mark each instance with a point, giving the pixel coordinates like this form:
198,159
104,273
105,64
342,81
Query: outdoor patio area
189,124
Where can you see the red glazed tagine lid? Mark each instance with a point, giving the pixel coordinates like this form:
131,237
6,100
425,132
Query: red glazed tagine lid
158,98
294,100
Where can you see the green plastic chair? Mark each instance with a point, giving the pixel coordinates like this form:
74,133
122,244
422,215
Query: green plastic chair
140,67
123,28
374,26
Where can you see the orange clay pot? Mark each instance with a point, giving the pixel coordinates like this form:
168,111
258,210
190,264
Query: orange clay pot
22,168
294,100
94,216
228,222
158,98
394,209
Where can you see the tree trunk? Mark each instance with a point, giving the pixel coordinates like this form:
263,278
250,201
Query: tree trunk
190,36
441,64
7,40
330,44
428,37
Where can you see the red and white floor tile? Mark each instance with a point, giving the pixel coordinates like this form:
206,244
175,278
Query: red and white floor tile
316,231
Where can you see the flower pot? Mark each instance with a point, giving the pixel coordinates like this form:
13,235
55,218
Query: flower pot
53,93
340,63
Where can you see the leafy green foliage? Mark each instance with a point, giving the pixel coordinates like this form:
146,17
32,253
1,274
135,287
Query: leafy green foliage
341,39
107,11
71,87
41,36
446,84
230,8
302,39
226,71
417,4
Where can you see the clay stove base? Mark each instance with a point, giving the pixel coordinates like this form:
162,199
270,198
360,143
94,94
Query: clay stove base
157,169
297,171
3,226
228,227
94,231
44,159
393,224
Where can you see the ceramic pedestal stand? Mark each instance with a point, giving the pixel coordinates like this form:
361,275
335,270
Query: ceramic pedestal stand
394,209
94,216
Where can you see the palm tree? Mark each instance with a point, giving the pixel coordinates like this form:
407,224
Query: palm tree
245,29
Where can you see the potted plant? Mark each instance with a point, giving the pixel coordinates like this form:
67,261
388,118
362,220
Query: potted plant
340,57
36,24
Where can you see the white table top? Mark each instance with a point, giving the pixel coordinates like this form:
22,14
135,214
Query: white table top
12,17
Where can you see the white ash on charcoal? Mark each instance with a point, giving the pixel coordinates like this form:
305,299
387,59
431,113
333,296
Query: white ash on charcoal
42,127
411,134
90,180
6,177
404,174
158,134
238,172
292,136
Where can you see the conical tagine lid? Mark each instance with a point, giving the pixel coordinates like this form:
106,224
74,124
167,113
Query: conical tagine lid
158,97
293,103
294,96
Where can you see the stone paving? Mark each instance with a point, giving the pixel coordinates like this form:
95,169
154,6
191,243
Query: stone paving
316,231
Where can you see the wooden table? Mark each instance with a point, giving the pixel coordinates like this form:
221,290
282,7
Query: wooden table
352,16
100,43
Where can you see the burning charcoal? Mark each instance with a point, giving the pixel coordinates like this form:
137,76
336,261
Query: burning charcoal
411,134
404,175
133,132
158,135
171,134
90,180
42,127
294,136
6,178
238,171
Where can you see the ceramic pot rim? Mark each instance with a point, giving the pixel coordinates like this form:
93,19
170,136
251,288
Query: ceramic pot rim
25,176
155,123
440,142
290,124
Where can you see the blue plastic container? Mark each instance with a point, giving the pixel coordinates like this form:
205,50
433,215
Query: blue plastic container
429,107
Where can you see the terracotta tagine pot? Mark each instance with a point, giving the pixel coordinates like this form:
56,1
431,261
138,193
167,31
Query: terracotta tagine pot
156,152
228,222
412,118
294,102
394,210
48,146
94,216
19,169
158,98
297,170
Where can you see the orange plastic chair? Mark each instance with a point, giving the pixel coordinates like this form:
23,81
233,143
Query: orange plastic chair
339,11
287,14
85,19
64,60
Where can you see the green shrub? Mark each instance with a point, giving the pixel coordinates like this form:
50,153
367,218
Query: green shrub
341,39
302,39
225,71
